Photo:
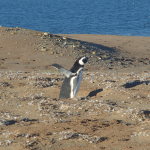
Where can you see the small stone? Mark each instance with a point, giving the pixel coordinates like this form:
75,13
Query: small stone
57,52
13,33
52,53
64,107
4,84
93,52
99,58
61,54
65,43
73,46
45,33
64,38
49,133
44,49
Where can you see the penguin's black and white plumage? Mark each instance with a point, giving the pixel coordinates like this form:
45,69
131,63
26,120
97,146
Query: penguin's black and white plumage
73,77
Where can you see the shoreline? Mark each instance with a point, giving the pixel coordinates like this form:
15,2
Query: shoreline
126,35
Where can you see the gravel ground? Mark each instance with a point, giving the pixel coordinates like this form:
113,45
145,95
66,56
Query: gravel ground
111,113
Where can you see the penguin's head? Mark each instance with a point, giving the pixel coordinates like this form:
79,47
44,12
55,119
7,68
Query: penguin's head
82,60
79,63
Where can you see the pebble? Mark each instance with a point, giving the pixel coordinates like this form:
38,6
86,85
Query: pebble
64,38
43,49
93,52
45,33
52,53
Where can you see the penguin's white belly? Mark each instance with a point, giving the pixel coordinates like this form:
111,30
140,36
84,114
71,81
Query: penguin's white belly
75,84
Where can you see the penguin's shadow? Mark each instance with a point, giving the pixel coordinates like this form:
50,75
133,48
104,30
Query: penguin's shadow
145,113
135,83
94,93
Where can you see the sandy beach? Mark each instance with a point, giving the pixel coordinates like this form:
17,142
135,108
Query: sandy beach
116,115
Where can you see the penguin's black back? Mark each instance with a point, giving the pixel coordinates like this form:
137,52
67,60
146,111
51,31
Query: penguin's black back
76,67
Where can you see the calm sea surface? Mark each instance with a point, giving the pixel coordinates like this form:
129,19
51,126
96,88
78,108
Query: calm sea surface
117,17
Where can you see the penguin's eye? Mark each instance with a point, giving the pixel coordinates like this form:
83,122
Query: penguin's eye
85,60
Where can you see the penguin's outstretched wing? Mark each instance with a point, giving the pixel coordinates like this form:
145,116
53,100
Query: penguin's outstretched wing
64,71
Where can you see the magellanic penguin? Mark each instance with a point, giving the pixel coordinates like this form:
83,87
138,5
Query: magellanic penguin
73,77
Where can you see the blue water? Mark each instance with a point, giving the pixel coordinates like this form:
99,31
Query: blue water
116,17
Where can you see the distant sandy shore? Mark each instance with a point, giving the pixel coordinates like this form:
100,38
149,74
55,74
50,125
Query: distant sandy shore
27,49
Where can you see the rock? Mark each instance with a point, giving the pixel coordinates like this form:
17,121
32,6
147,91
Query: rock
93,52
43,49
64,107
52,53
45,33
4,84
13,33
64,44
61,54
73,46
64,38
